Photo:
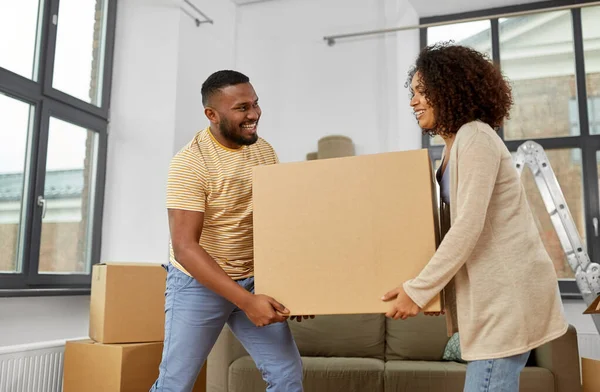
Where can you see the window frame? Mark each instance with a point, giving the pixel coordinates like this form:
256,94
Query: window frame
49,102
588,143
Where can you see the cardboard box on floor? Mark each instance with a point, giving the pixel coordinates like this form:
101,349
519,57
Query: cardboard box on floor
332,236
97,367
590,372
127,303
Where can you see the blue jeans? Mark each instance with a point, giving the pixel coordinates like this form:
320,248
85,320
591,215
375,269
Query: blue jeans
495,375
194,318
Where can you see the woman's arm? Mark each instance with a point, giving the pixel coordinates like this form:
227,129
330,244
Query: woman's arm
478,163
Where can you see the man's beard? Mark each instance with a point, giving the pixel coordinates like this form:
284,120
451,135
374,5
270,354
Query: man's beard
233,135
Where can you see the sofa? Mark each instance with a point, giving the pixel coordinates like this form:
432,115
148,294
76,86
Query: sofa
348,353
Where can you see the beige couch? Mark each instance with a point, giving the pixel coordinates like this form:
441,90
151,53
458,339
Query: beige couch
372,353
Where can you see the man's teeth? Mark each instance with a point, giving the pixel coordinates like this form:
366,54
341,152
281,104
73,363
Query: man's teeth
249,126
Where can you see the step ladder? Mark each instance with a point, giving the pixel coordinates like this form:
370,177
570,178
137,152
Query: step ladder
587,273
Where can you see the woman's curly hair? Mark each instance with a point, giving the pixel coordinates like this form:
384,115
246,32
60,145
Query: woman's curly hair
461,85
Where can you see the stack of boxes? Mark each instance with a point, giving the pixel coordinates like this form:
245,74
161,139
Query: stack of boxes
126,332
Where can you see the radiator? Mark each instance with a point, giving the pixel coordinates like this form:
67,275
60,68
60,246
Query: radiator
589,345
34,367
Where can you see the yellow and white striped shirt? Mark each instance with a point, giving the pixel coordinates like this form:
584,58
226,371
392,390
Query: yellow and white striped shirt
206,176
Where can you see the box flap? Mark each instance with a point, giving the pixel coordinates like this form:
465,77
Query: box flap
594,308
80,341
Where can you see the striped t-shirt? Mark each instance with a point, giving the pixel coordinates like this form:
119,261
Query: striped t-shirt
206,176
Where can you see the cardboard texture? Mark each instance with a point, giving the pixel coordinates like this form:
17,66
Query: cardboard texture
127,303
96,367
594,307
590,372
332,236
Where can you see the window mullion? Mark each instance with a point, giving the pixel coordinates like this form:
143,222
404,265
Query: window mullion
580,76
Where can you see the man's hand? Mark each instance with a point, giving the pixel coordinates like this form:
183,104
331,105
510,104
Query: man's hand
299,318
263,310
404,307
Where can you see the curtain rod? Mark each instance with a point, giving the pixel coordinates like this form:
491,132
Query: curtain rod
330,39
198,21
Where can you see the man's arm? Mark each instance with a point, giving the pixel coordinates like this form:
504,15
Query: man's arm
186,228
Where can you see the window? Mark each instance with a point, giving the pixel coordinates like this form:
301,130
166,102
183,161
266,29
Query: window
79,49
69,189
540,63
591,38
54,102
552,60
15,130
20,20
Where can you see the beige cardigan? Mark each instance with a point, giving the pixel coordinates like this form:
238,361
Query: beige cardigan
501,288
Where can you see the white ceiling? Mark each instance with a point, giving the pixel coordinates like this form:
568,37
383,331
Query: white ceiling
438,7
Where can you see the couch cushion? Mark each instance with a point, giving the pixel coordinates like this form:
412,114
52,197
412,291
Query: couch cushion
417,338
428,376
320,374
360,335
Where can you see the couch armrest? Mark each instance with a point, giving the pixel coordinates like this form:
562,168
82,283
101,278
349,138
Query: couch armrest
226,350
561,357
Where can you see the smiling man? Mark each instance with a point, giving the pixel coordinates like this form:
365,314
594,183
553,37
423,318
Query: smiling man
210,275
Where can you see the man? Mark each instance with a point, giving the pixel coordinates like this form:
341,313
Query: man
210,275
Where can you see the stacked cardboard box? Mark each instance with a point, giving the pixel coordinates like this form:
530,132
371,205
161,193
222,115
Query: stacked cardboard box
126,332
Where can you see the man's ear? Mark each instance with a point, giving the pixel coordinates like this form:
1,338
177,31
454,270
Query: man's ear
211,114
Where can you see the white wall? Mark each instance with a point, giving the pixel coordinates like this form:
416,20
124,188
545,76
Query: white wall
141,130
308,89
202,51
30,320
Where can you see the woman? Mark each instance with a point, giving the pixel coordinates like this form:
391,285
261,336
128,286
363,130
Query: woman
500,285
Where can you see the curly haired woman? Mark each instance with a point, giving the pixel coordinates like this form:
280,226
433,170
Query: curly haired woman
500,285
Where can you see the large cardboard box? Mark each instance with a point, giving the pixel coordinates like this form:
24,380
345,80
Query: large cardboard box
332,236
97,367
127,303
590,374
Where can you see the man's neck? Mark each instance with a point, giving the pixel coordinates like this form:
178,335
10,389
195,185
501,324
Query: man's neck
222,140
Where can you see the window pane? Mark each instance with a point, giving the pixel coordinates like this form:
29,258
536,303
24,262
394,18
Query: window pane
566,164
79,58
69,194
536,54
477,35
15,123
591,47
19,29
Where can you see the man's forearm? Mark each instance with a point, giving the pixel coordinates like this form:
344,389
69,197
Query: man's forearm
205,270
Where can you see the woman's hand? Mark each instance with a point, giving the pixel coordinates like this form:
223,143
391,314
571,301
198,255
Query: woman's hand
435,313
404,307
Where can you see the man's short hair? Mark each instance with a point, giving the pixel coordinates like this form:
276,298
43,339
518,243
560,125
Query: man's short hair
219,80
